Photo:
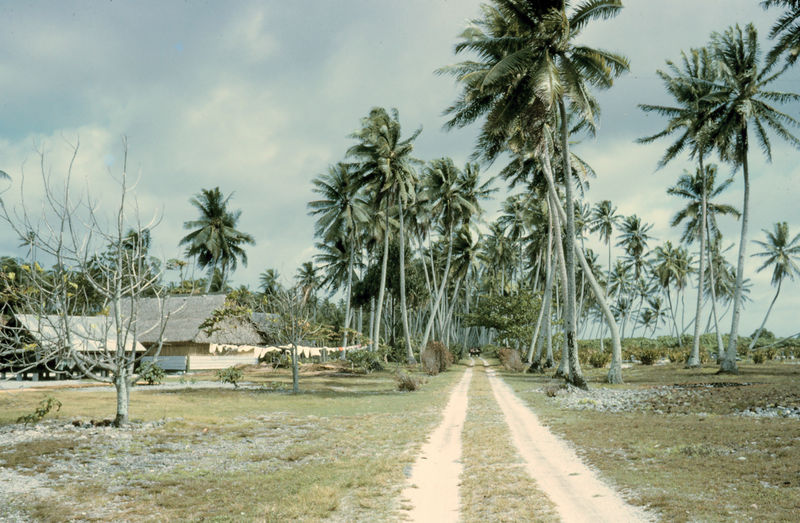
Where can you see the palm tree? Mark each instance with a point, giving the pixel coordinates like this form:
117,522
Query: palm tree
633,238
268,282
308,280
743,103
699,190
386,167
786,29
691,86
530,70
455,200
214,240
783,256
341,211
603,220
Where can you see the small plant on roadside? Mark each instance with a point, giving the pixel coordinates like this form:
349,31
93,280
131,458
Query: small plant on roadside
759,357
151,373
231,375
44,408
407,382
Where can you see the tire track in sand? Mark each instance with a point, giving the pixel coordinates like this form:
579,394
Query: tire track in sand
433,493
577,492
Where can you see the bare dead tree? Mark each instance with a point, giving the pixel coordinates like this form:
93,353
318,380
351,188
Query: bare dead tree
81,315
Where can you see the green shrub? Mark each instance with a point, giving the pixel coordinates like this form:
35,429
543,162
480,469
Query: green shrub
44,408
649,355
759,357
598,359
435,358
151,373
365,361
230,375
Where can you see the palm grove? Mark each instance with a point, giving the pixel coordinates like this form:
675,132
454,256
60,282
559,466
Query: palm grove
405,245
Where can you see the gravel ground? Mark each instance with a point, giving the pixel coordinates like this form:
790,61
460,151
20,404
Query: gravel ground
626,400
115,457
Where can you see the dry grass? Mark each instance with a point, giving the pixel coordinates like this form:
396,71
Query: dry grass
697,461
495,485
338,452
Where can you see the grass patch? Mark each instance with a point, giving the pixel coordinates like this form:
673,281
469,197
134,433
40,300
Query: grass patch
224,455
494,484
697,461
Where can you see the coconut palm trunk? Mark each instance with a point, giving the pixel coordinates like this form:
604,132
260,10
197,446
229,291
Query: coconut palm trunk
761,328
728,364
544,313
575,375
403,310
439,294
347,312
382,288
564,368
615,369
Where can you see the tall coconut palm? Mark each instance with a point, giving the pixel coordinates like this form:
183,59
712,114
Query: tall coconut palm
455,200
214,240
386,167
699,191
743,103
783,256
341,211
604,219
691,86
532,72
787,31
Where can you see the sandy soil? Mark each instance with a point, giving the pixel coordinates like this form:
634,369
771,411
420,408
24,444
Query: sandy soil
433,493
577,492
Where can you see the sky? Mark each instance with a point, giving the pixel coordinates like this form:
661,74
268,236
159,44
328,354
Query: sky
258,98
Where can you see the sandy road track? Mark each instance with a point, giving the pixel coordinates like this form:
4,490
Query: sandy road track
577,492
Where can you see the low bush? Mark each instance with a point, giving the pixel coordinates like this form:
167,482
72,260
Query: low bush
511,360
598,359
759,357
151,373
435,358
407,382
230,375
365,361
649,355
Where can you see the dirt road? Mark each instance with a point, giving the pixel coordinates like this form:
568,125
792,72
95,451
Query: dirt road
577,492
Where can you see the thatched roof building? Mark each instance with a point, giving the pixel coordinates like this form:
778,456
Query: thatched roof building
183,332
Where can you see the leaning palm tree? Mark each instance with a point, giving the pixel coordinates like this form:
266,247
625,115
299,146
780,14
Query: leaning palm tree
743,104
531,74
386,167
783,255
214,240
787,31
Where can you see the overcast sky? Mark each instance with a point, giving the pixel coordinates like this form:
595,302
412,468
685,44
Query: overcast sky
259,97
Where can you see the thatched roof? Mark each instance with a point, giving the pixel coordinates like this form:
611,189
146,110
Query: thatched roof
88,333
186,314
